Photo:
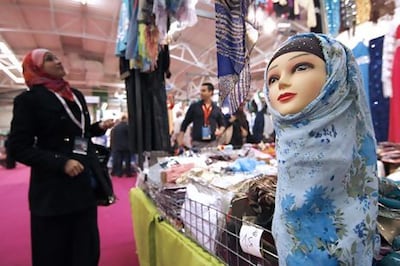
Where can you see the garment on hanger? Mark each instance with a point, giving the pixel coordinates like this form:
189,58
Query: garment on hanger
378,103
380,8
241,90
394,124
318,18
361,54
232,54
132,32
308,5
146,100
142,36
389,48
182,10
347,15
363,10
123,24
332,8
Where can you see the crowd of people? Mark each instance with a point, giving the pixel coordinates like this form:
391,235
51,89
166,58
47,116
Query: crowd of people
203,124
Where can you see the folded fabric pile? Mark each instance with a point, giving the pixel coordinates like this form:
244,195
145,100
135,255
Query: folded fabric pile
171,174
389,152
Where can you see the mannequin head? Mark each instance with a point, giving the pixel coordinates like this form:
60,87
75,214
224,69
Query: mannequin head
295,75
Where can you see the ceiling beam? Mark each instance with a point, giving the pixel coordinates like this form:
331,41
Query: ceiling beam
187,56
59,33
35,7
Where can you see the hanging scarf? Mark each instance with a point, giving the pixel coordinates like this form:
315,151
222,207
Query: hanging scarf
231,51
332,9
32,68
327,192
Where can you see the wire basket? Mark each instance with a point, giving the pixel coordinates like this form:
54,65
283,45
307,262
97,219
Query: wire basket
219,232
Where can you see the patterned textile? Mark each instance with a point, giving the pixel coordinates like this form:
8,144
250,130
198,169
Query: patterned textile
261,197
379,104
348,15
147,48
361,53
182,10
333,16
123,24
231,50
132,32
240,92
327,190
138,35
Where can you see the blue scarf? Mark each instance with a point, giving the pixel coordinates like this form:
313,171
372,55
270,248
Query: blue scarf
327,191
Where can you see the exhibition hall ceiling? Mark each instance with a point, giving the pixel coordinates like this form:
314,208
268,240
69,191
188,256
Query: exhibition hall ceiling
83,35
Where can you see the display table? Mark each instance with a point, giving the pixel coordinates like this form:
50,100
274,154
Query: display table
157,242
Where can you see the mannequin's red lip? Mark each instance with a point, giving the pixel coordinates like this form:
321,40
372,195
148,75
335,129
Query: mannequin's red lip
286,96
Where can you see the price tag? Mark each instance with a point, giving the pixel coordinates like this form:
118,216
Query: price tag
250,239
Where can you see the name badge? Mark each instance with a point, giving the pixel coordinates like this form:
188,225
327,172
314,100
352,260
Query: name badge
80,145
205,133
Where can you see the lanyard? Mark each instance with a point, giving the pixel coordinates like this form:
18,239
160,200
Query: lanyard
206,113
80,124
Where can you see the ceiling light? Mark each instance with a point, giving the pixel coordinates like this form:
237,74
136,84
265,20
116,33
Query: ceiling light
12,63
4,50
16,79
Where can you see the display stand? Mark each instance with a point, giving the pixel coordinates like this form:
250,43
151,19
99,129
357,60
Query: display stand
157,242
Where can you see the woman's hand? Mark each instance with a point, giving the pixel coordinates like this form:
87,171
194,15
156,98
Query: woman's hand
106,124
73,168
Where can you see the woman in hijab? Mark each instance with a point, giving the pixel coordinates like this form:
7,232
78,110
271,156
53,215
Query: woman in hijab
327,191
50,132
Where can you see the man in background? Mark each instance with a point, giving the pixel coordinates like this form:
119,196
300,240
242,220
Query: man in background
121,161
207,119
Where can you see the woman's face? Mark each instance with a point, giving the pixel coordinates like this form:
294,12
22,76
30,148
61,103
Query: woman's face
294,80
52,66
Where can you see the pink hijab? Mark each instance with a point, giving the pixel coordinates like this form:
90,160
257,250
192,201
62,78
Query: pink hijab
32,68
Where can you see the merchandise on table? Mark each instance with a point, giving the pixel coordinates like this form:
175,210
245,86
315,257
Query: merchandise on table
220,197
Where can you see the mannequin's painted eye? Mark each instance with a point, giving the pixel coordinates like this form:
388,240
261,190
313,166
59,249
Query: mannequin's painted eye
302,67
272,80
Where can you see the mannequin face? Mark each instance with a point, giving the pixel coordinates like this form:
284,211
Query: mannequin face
294,80
52,66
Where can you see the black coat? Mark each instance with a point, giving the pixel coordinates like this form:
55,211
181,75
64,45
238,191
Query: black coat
42,137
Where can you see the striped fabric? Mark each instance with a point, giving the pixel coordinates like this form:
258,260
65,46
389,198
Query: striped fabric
233,69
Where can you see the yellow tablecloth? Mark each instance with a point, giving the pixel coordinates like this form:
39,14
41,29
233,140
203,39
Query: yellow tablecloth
158,243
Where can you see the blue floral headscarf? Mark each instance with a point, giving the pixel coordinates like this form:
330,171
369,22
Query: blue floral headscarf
327,191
